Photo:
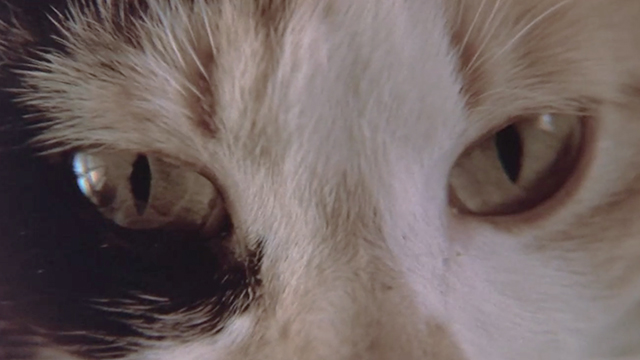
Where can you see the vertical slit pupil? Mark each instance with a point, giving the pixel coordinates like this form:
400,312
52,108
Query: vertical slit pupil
509,146
140,181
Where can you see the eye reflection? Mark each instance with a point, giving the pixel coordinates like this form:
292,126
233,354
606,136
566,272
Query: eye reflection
91,175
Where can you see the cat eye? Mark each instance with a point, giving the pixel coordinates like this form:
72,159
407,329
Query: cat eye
518,167
144,192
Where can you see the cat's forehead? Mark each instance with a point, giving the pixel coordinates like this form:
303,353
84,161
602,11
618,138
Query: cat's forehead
238,70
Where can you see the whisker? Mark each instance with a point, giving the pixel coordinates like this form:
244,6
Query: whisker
460,13
189,47
522,32
205,16
161,15
473,24
485,37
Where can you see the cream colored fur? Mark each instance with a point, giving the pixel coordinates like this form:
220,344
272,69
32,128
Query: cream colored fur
331,126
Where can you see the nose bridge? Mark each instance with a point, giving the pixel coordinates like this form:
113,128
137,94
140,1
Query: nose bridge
347,315
332,288
350,309
336,291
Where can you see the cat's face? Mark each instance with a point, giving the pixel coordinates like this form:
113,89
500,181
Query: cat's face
273,179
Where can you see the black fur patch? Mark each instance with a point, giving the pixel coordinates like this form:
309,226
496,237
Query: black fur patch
70,278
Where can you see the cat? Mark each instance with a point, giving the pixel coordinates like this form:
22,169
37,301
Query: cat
329,179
